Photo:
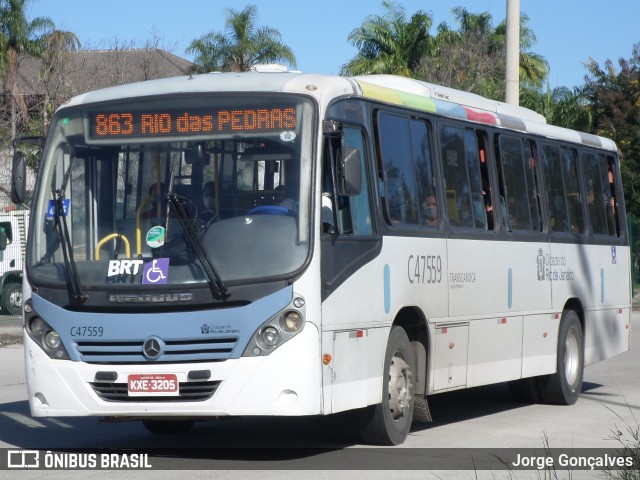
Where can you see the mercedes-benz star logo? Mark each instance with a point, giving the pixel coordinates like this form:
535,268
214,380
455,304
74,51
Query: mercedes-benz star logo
152,348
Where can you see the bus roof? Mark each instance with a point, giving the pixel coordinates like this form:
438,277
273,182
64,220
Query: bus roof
391,89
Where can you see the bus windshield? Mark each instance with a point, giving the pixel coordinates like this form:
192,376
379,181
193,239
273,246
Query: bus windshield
172,191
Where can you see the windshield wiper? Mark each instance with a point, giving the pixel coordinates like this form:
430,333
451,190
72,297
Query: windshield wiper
217,286
65,242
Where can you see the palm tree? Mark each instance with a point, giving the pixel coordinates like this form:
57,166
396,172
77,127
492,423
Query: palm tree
561,106
389,43
18,37
469,58
472,57
473,24
243,45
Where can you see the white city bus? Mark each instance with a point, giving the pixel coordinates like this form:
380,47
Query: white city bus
293,244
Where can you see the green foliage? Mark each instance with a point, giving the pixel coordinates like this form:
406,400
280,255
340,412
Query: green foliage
561,106
389,43
614,102
243,45
471,57
18,37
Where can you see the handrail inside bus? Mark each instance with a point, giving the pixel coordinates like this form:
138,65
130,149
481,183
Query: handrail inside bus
144,203
110,237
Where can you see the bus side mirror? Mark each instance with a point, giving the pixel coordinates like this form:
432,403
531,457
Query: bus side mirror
18,178
350,171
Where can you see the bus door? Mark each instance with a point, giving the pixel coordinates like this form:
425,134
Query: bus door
493,276
520,204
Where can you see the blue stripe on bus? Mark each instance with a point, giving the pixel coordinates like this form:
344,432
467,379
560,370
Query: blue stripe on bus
188,336
510,289
387,289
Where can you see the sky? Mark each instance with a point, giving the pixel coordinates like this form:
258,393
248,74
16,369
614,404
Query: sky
568,32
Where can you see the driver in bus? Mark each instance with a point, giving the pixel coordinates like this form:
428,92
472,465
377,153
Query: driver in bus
158,204
282,200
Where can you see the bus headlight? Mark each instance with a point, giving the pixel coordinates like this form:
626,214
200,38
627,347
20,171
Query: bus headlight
37,326
52,339
270,336
292,321
277,330
45,336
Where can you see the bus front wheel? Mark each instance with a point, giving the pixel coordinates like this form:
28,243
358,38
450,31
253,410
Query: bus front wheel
388,423
563,387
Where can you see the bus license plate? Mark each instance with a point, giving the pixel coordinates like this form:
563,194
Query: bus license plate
153,384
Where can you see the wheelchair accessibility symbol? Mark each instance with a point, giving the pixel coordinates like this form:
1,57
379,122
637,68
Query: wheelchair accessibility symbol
156,272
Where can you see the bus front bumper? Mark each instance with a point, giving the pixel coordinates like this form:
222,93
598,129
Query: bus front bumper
286,382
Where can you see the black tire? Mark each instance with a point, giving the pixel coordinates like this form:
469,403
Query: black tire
564,386
168,427
389,422
11,299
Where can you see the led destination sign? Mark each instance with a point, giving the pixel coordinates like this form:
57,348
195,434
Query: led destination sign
124,124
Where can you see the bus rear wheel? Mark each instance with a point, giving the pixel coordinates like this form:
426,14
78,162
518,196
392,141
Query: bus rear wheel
564,386
388,423
11,299
168,426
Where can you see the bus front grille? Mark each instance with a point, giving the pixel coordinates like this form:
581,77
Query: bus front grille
174,351
189,392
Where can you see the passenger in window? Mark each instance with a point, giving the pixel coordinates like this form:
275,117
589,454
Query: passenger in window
485,220
612,199
157,201
430,212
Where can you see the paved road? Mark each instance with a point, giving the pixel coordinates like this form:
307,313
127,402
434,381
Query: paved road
607,412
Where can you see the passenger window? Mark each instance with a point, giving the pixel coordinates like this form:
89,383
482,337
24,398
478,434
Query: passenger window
466,178
430,211
519,184
600,193
399,189
408,190
563,189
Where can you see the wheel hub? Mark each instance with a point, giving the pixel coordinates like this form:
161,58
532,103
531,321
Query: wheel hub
571,358
399,387
16,299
